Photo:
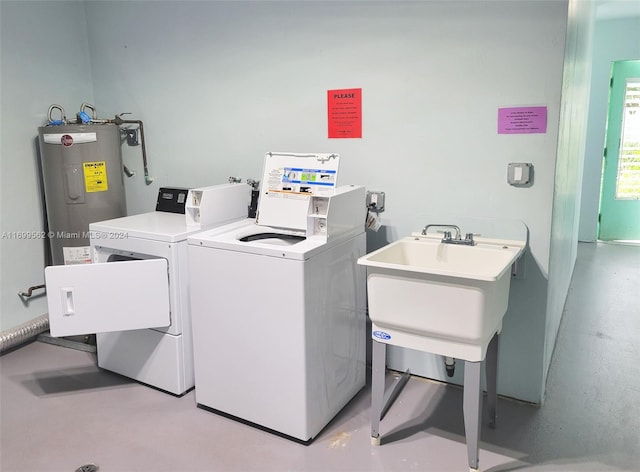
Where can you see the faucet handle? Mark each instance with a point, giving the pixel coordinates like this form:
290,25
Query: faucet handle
447,235
469,239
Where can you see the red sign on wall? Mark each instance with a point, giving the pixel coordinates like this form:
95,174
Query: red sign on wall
344,111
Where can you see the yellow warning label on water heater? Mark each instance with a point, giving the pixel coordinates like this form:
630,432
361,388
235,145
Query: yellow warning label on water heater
95,176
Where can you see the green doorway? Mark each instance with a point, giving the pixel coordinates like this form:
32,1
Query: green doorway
619,217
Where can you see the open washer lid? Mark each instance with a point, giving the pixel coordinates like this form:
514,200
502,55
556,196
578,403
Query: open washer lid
288,182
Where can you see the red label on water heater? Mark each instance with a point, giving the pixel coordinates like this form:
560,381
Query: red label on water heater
66,140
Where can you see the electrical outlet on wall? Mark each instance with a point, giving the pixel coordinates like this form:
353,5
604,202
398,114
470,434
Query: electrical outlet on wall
520,174
132,137
375,201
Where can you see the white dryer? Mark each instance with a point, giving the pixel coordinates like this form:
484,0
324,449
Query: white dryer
279,325
135,294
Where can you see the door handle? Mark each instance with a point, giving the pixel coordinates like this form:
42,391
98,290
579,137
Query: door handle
67,302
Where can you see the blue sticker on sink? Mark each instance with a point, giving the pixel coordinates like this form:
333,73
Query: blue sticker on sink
381,335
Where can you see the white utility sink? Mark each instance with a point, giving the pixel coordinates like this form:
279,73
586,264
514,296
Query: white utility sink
443,298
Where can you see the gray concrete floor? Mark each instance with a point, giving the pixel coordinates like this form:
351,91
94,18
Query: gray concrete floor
59,411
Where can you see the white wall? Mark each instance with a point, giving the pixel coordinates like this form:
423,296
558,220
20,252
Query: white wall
569,165
614,40
218,84
45,60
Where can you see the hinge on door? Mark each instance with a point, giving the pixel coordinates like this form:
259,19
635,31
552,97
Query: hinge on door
604,154
599,217
611,82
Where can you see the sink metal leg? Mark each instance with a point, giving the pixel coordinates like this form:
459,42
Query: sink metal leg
491,367
472,408
378,367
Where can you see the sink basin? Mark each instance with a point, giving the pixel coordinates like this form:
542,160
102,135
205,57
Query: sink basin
442,298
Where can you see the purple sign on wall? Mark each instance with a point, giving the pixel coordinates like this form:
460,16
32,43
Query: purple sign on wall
522,120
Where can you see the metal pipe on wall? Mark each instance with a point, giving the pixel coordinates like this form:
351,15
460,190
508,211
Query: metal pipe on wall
29,293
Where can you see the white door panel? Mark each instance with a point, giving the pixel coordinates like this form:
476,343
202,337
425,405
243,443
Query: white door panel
103,297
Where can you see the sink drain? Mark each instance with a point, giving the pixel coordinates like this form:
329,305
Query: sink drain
88,468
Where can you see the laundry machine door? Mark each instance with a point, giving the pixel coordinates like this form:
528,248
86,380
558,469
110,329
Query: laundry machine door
103,297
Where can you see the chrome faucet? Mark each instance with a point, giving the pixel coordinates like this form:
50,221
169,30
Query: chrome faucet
454,227
447,239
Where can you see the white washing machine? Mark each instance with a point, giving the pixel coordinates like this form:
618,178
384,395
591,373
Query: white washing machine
135,294
279,325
